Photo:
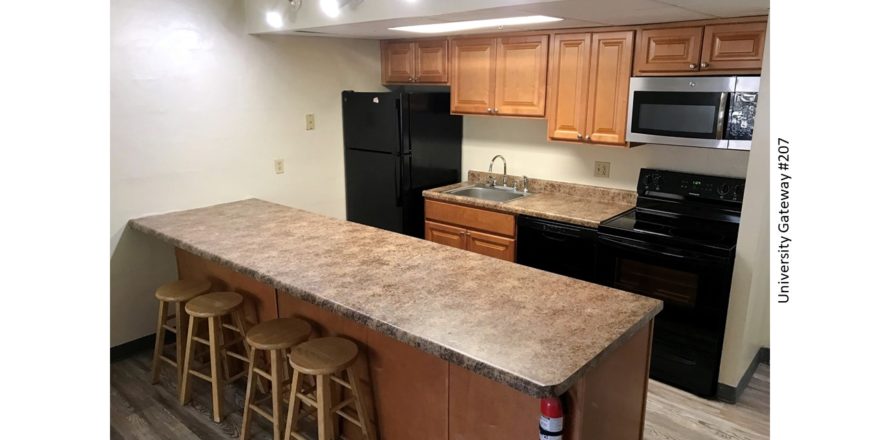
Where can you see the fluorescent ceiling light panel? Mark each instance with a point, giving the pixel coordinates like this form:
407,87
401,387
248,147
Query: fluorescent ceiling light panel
455,26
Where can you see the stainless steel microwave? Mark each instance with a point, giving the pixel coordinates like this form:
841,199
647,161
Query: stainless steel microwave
711,112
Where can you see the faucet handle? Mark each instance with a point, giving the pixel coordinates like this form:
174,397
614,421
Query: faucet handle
525,183
491,180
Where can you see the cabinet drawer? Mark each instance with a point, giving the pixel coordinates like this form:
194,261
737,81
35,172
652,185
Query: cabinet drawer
472,218
491,245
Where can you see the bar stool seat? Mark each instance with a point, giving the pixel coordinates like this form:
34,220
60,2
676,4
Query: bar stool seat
214,304
174,295
324,355
330,360
182,290
277,337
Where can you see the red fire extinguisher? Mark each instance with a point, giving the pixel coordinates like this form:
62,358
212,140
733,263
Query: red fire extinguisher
551,419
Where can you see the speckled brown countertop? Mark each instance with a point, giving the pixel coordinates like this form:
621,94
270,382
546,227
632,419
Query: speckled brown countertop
532,330
565,202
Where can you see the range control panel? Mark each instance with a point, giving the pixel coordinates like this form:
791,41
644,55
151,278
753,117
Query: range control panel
676,185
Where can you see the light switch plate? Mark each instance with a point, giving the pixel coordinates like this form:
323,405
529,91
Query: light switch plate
279,166
310,121
603,169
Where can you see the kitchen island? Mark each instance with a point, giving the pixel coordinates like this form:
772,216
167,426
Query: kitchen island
459,345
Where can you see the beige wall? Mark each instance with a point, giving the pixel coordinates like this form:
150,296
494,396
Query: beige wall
199,112
748,318
523,142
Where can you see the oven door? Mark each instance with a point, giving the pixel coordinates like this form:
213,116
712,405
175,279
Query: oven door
687,111
694,288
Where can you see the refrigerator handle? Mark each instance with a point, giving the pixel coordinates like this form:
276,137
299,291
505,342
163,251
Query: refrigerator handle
397,190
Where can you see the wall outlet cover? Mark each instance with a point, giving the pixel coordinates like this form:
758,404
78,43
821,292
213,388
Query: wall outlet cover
310,121
603,169
279,166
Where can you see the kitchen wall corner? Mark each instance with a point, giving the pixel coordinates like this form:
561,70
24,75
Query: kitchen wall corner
199,112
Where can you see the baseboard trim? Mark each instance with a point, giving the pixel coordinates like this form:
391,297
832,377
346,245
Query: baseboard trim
129,348
729,394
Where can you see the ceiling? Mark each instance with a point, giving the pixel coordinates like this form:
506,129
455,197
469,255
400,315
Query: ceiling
372,18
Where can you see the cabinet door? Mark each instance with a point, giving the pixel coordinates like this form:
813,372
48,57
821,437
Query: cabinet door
521,76
491,245
610,69
398,61
431,61
664,51
473,75
445,234
737,48
567,100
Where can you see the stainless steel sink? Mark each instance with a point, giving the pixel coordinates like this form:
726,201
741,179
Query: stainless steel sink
495,194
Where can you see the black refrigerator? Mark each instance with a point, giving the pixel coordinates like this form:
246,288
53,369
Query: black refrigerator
396,145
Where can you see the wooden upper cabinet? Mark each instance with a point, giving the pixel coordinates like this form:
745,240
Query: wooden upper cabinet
589,87
521,76
472,66
608,94
567,86
431,61
733,47
398,62
715,49
664,51
414,62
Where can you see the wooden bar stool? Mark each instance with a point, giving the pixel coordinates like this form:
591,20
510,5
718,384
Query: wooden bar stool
175,294
326,359
276,336
214,307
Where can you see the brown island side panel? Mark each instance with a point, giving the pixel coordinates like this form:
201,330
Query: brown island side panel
416,395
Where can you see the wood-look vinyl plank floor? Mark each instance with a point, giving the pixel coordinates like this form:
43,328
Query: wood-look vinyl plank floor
140,410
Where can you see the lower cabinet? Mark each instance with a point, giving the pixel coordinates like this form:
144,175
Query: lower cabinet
477,230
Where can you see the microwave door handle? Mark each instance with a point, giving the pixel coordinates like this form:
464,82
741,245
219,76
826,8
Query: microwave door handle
722,113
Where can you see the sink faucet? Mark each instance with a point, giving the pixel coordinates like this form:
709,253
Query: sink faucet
504,178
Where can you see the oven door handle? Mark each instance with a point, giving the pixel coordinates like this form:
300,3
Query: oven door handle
668,252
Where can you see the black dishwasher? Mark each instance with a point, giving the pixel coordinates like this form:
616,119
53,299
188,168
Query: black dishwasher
556,247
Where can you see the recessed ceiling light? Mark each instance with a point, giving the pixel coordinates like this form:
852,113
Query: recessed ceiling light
274,19
456,26
331,7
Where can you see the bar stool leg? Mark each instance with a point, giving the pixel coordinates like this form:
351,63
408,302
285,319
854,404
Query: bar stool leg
294,404
325,416
187,363
277,385
214,338
160,340
367,428
248,397
180,338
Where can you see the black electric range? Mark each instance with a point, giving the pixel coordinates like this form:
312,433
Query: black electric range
678,245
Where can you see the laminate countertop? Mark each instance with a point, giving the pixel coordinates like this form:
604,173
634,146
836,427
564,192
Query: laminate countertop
534,331
573,203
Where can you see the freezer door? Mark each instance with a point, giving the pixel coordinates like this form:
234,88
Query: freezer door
371,121
435,141
373,192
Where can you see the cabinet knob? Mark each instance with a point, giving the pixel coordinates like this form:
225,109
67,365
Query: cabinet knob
580,137
489,110
704,65
410,79
495,110
692,66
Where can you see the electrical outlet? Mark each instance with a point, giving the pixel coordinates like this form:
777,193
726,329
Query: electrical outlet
310,121
603,169
279,166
